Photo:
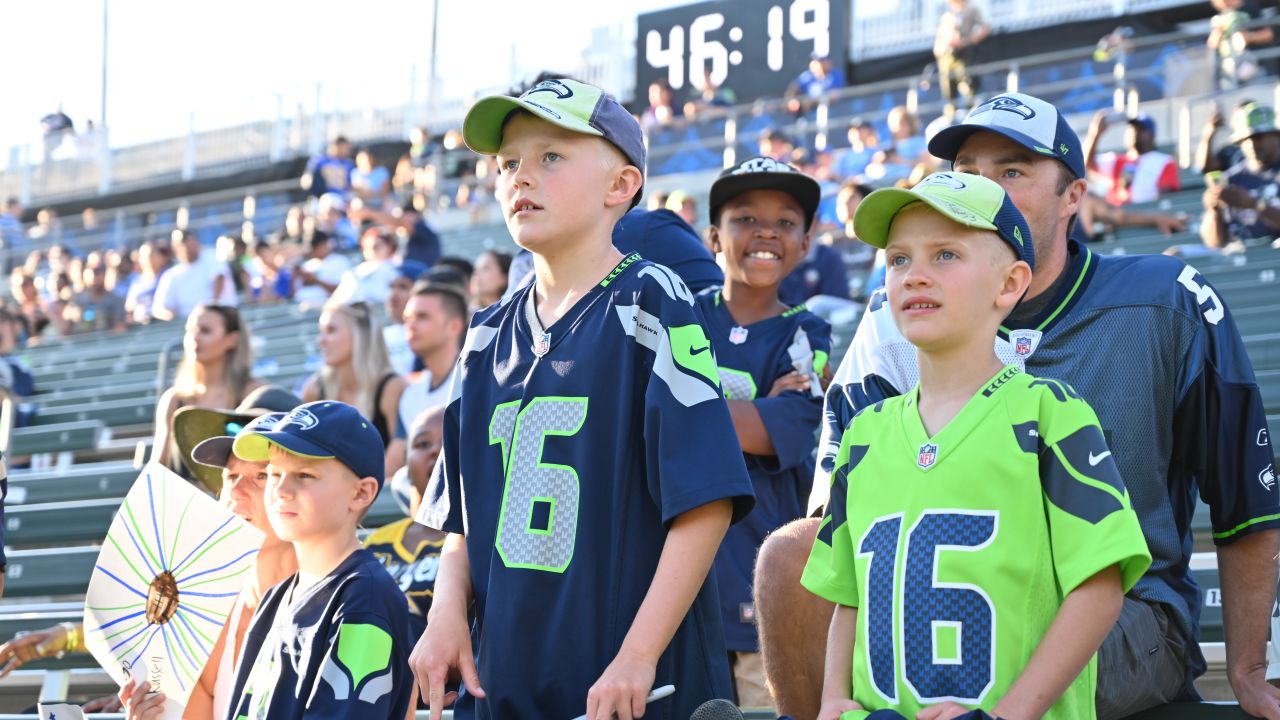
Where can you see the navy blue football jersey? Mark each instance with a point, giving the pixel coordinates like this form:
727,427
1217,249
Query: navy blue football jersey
1150,344
340,649
566,457
750,359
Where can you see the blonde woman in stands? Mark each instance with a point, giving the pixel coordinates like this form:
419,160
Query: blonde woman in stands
357,370
215,372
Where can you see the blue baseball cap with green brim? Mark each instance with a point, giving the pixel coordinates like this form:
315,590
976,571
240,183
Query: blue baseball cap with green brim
969,200
323,429
569,104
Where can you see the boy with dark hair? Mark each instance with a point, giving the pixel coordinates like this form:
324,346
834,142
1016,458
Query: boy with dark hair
332,641
589,468
772,358
979,540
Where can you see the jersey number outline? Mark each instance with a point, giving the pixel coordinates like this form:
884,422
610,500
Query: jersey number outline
927,609
538,523
1203,293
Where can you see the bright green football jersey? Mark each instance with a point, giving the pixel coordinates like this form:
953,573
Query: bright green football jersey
958,549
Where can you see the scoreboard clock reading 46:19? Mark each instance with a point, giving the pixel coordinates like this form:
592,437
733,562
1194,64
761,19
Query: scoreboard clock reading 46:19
753,47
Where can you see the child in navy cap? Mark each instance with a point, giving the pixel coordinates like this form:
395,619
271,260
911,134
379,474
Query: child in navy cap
332,640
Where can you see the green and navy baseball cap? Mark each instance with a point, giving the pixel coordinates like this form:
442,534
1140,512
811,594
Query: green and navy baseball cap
572,105
322,429
1252,119
1027,120
970,200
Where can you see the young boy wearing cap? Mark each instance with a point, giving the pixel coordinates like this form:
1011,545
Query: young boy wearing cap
589,468
771,359
331,641
979,540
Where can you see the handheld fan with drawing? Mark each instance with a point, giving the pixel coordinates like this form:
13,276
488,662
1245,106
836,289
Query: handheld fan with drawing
166,579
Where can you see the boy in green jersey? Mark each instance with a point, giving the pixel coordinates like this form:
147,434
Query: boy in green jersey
979,539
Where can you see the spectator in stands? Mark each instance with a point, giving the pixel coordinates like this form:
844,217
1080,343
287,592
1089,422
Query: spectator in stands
435,321
490,279
960,29
330,172
153,262
332,218
685,205
199,277
821,78
905,135
14,373
318,273
708,95
120,272
662,108
1231,41
820,272
11,235
1141,173
1243,205
863,143
421,147
370,281
1206,159
55,127
409,550
775,145
403,181
295,226
31,306
95,307
462,266
420,242
48,229
356,370
215,372
398,350
370,181
887,166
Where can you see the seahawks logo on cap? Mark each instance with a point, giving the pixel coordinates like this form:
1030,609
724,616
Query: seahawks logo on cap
1007,104
303,418
946,180
555,87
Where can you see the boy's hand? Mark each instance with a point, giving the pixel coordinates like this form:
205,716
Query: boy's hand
137,706
943,711
621,690
833,709
791,381
443,653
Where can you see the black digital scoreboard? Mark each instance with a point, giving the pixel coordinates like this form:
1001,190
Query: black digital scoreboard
754,47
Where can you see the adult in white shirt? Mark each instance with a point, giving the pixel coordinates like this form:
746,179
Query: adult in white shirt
199,277
435,320
370,281
318,276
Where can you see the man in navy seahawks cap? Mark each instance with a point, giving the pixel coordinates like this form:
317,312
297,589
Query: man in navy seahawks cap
1181,416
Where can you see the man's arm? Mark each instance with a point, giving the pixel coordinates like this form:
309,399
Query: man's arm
686,557
1205,159
1247,568
1096,127
1213,226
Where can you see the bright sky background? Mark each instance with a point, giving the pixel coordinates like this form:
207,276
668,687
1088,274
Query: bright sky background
226,60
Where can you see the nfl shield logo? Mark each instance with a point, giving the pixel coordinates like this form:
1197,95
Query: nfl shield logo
1024,342
928,455
541,347
738,335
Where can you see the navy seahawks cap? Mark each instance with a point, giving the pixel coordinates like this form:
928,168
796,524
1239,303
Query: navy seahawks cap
1029,121
321,429
762,173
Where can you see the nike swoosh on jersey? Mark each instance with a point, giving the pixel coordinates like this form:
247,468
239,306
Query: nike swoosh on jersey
1095,459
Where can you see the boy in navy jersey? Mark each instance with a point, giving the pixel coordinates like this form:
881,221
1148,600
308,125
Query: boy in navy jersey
590,467
333,640
771,360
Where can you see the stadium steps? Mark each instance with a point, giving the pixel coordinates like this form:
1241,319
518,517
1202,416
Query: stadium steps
63,523
85,481
112,413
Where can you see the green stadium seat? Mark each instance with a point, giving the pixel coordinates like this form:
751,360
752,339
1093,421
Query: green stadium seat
112,413
49,571
81,435
91,481
59,522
